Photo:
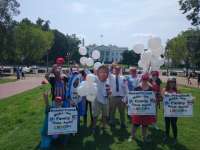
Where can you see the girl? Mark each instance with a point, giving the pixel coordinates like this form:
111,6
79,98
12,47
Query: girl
171,87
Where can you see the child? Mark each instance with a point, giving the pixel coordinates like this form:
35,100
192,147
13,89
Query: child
47,140
100,105
171,87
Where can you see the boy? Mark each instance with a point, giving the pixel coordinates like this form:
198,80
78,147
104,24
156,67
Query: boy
100,105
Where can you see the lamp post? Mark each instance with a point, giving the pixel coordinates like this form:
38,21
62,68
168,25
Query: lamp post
48,60
67,57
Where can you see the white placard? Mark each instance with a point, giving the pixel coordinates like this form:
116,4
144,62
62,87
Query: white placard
178,105
62,121
141,103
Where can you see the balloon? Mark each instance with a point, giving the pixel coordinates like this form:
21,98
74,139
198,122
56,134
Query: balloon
91,97
90,78
90,62
95,54
97,65
82,51
138,48
83,60
146,56
159,51
81,91
154,43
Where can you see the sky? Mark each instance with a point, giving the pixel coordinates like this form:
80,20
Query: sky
121,22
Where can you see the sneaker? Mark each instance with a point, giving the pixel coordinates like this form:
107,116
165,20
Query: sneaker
130,139
147,140
165,139
174,142
94,130
156,126
122,126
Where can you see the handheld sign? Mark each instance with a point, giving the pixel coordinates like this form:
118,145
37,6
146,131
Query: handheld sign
141,103
178,105
62,121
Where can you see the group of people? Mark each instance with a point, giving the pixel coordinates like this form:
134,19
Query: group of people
112,89
20,73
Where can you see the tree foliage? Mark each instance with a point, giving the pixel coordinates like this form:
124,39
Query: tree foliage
192,9
185,49
31,42
130,58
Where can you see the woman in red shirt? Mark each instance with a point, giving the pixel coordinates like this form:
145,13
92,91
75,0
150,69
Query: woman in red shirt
142,120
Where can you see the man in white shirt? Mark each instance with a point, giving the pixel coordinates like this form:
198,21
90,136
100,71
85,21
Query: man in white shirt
118,88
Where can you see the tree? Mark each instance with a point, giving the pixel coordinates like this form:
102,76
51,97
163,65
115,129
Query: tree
130,58
8,9
192,9
185,49
64,44
32,42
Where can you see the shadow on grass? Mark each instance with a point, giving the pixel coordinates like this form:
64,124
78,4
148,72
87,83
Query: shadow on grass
157,142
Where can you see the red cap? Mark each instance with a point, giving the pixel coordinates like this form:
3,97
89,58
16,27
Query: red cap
145,77
60,60
58,99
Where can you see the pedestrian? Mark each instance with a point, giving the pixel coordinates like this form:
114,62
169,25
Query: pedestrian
171,88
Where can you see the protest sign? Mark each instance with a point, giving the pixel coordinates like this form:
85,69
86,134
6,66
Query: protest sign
62,121
178,105
141,103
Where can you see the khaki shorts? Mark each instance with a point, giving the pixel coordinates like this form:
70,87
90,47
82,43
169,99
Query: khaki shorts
98,108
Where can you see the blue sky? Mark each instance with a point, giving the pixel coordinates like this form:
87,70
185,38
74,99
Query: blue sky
122,22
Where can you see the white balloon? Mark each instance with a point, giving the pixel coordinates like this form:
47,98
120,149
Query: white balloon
96,54
90,78
83,60
97,65
154,43
159,51
82,51
146,56
91,97
138,48
90,62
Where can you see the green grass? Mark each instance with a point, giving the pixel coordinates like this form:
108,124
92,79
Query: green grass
6,80
21,118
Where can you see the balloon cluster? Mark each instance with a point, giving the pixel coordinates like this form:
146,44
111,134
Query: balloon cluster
88,88
151,58
88,60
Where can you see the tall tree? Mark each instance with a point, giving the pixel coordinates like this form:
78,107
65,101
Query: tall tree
8,9
31,43
130,58
185,49
192,9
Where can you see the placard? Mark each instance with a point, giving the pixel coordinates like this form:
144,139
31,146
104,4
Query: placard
178,105
141,103
62,121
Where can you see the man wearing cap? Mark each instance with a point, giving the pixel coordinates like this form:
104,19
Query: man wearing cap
118,88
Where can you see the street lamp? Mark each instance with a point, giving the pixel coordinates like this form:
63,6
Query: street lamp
48,60
67,57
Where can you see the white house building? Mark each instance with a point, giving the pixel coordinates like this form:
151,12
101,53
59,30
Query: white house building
109,53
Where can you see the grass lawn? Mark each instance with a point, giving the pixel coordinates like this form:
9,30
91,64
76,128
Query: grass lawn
5,80
21,118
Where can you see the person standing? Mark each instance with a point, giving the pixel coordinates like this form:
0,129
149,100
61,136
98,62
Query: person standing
171,88
119,90
142,120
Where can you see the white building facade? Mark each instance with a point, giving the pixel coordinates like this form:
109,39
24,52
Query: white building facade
109,53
